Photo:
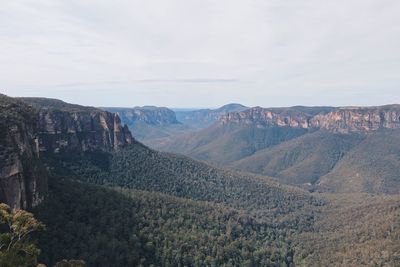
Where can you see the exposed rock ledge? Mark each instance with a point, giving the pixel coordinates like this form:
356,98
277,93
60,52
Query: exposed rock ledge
341,120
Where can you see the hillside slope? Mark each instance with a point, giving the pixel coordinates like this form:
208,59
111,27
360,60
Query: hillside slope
371,166
302,160
333,162
139,167
121,227
222,145
352,230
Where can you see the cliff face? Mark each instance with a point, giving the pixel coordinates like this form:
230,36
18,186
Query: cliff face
23,181
68,127
263,118
81,131
31,126
346,120
340,120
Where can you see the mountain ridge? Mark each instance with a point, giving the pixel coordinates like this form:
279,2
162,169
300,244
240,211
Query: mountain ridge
202,118
340,119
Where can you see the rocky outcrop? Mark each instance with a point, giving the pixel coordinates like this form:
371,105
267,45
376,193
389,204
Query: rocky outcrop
68,127
340,120
346,120
32,126
23,181
262,118
61,130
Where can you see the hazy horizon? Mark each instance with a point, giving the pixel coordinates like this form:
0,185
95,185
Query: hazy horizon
208,107
184,54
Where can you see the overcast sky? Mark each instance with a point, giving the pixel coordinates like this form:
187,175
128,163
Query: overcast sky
202,53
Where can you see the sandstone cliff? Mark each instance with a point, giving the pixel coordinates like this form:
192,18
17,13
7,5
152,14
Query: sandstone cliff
67,127
359,119
23,182
32,126
340,120
262,118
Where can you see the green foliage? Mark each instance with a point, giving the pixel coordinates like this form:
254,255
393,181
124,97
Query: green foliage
124,227
16,247
70,263
55,105
302,160
372,166
225,144
353,230
139,167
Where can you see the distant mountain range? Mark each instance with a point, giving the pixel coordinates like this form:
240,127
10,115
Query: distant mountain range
149,123
203,118
320,148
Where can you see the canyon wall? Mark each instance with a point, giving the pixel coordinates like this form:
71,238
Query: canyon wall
340,120
32,126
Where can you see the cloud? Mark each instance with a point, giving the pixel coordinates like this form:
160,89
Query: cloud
198,80
308,49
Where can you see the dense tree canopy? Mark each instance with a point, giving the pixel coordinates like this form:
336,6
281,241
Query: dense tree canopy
124,227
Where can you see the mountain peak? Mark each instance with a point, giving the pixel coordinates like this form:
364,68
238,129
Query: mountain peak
232,107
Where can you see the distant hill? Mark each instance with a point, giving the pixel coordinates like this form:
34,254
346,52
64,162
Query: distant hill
150,122
203,118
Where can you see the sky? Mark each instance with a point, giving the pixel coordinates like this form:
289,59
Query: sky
202,53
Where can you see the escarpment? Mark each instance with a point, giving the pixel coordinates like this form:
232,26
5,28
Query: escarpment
23,182
30,127
81,131
339,120
346,120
